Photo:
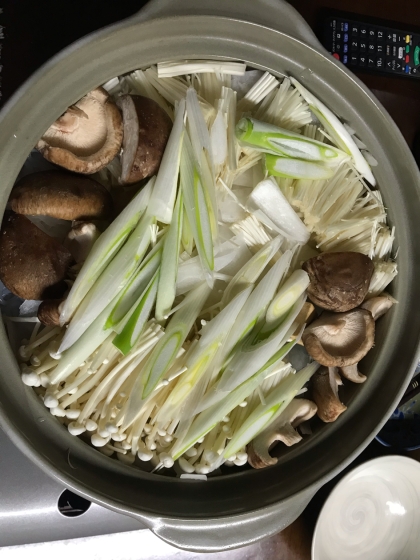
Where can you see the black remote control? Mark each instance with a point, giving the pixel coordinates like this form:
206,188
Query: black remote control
371,47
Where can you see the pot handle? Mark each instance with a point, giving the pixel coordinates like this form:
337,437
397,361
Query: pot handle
225,533
275,14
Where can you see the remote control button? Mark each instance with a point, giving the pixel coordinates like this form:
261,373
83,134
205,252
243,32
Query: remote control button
417,55
400,52
345,48
389,37
362,46
354,45
388,50
379,62
346,38
394,51
354,30
338,47
379,49
395,38
363,32
414,71
346,26
362,60
371,48
371,62
407,58
372,34
407,38
379,35
354,59
345,59
407,48
407,69
337,56
338,36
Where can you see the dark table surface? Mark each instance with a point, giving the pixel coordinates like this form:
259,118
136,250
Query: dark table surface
35,31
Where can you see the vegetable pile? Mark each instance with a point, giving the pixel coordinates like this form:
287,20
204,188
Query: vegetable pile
168,343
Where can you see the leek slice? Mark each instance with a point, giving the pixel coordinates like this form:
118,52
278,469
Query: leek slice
111,282
337,131
169,266
104,250
281,142
264,414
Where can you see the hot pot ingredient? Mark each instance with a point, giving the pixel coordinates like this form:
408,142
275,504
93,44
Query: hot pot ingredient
61,195
87,136
33,265
186,306
339,281
146,132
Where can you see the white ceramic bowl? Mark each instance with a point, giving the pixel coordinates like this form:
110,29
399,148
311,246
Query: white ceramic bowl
372,514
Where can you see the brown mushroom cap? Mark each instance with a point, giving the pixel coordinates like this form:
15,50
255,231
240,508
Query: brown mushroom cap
340,339
324,391
87,136
49,312
62,195
146,131
32,264
339,281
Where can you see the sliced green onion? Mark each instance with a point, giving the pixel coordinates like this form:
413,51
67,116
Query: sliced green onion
252,356
271,202
104,249
112,280
187,234
207,419
163,196
337,131
288,294
197,208
71,359
252,270
180,68
138,317
176,332
264,414
281,142
169,265
204,352
291,168
134,289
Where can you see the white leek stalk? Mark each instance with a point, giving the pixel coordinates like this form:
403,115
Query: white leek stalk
137,317
268,199
288,294
292,168
182,67
169,266
252,270
105,248
163,196
113,279
198,209
337,131
281,142
175,334
264,414
207,419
